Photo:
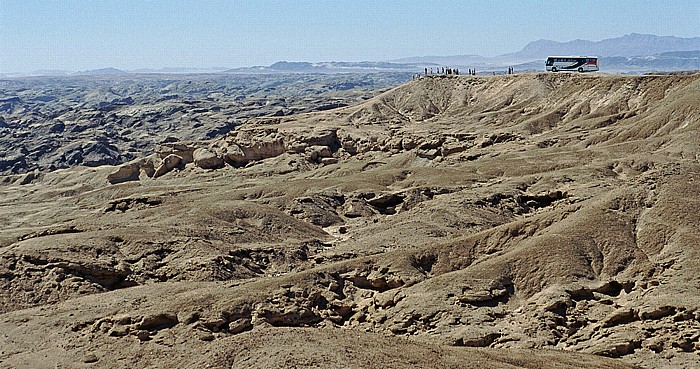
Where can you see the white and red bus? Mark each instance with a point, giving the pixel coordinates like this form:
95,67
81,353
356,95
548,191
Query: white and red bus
572,63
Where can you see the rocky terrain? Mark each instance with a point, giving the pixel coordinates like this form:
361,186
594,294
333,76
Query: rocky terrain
534,220
59,122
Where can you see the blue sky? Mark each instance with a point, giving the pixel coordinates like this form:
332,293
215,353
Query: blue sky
129,34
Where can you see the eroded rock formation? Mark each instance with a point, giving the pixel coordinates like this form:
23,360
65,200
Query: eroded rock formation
464,217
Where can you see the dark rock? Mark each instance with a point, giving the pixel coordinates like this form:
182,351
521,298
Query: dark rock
143,335
13,164
57,128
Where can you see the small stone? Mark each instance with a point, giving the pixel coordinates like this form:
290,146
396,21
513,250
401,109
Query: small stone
206,336
239,326
655,344
90,358
143,335
620,316
329,161
119,331
122,206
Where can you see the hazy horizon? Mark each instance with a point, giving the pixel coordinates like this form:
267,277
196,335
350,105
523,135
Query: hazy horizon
86,35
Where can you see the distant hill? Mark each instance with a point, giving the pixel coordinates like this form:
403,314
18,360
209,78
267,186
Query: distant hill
101,72
170,70
634,44
51,72
330,67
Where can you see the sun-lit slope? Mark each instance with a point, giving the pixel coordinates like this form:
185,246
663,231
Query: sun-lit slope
533,102
455,114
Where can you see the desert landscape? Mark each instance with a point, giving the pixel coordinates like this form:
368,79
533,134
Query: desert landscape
519,221
49,123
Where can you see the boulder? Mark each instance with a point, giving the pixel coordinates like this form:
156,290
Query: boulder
148,166
320,151
356,208
616,345
169,163
206,159
185,152
125,173
470,336
329,161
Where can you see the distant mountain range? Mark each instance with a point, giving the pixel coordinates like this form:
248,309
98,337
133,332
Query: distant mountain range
631,45
633,53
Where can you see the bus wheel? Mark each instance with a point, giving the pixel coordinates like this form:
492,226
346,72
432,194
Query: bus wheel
554,69
580,70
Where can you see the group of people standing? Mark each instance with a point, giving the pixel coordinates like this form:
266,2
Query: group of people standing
453,72
442,70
